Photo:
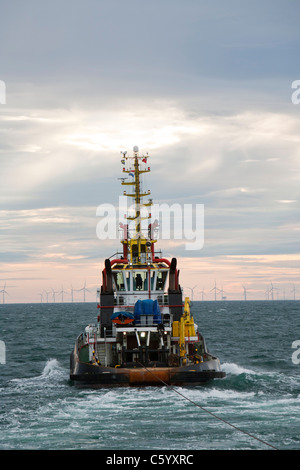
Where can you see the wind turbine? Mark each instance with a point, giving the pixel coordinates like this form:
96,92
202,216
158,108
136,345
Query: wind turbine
294,290
223,297
267,293
3,291
245,292
62,292
215,289
53,294
47,293
72,293
84,290
271,290
192,291
41,295
203,293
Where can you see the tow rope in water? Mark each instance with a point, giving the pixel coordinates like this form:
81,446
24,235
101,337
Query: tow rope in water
207,411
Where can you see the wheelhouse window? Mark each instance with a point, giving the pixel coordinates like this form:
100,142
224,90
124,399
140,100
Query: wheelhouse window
161,280
127,275
119,280
152,279
140,281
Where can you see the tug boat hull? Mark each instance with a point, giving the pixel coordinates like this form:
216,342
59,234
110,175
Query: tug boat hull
97,376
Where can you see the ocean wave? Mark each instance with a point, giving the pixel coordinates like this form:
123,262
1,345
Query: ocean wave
51,368
205,394
235,369
52,374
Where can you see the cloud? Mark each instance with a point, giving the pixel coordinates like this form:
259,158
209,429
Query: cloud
235,193
204,88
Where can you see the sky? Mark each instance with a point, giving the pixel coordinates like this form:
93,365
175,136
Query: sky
204,87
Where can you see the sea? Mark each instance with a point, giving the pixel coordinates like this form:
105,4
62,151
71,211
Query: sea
255,407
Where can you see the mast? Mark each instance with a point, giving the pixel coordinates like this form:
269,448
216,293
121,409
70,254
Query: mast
137,247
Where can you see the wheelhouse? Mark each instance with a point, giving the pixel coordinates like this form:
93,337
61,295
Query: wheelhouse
145,282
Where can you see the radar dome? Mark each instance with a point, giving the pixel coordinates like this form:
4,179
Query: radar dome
135,148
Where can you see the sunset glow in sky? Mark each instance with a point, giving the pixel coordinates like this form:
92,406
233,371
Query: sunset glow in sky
204,87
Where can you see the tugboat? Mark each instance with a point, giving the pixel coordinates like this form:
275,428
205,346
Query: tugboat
145,333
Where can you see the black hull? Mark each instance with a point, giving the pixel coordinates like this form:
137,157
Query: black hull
95,376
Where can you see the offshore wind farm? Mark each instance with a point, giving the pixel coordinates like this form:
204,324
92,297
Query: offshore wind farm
62,295
269,292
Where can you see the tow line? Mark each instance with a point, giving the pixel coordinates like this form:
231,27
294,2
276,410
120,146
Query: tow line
207,411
